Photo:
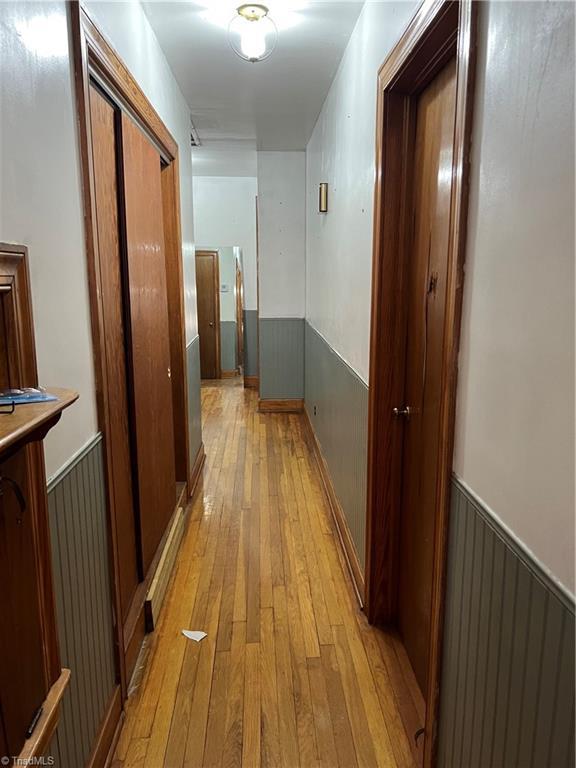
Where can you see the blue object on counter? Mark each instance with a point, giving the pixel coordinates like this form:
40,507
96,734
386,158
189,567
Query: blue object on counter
23,396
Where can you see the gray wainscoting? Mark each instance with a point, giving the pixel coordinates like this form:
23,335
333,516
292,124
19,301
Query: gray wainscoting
194,401
507,696
228,345
250,342
337,404
80,559
281,358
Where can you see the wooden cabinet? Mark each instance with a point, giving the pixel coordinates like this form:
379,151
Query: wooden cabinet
31,678
23,683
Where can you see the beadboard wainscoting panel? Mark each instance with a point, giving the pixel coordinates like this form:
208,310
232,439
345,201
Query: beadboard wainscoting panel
250,342
53,752
194,402
281,358
80,560
228,339
507,695
337,404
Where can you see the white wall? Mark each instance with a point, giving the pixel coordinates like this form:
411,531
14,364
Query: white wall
129,31
282,227
41,197
41,205
341,152
515,419
225,215
229,161
227,268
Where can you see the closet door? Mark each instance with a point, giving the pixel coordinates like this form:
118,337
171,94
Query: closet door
149,338
103,116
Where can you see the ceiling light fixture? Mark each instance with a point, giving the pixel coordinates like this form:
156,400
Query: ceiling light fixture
252,33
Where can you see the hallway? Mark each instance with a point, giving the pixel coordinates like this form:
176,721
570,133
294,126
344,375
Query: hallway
290,673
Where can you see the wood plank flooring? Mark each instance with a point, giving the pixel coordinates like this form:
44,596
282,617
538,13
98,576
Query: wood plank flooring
290,674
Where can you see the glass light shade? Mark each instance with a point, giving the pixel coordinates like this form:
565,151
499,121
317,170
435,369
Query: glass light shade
253,39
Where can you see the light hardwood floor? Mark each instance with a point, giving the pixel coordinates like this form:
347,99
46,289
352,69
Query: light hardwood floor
290,673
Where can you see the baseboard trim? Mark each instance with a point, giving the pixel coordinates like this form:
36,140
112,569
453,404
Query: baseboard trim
251,382
229,374
135,620
280,406
163,574
196,473
343,531
109,733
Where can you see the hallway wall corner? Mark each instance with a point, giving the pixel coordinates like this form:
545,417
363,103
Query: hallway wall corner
281,353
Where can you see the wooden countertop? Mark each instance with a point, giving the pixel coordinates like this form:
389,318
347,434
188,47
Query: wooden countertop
31,421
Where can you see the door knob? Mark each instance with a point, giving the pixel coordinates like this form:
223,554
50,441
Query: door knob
402,411
211,325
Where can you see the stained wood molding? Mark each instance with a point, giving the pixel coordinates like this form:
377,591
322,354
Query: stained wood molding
162,576
439,31
33,422
196,472
38,743
344,536
228,374
176,316
251,382
95,58
164,571
109,733
108,64
33,681
135,620
280,406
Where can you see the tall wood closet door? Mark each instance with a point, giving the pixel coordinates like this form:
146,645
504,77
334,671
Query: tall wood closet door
426,309
149,342
103,116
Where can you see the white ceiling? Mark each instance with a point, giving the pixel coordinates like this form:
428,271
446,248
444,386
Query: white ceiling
272,104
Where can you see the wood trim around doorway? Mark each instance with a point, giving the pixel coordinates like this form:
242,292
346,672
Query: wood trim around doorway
439,31
94,56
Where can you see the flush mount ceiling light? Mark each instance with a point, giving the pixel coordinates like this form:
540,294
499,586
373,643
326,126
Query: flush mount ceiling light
252,33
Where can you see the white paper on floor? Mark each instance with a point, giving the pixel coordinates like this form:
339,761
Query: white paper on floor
194,634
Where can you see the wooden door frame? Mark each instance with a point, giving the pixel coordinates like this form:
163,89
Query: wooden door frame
239,319
93,55
439,31
257,212
216,254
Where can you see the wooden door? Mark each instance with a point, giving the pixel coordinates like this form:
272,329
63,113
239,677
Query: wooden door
104,158
426,301
22,673
150,387
208,302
